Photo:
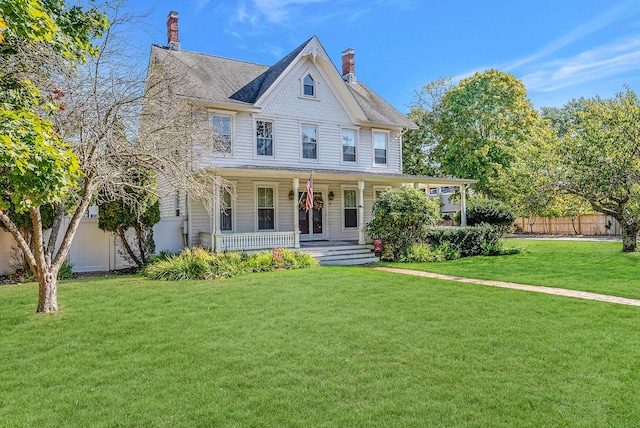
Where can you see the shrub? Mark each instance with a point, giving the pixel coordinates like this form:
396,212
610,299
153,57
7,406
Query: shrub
66,270
401,217
262,262
198,263
467,241
490,211
420,253
416,253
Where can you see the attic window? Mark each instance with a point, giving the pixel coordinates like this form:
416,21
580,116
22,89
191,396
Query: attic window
309,86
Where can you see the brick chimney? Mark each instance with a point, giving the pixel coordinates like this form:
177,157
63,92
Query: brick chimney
172,31
348,66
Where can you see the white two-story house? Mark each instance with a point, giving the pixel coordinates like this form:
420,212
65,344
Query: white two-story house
280,125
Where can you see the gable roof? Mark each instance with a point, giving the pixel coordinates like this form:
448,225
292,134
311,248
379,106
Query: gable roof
223,81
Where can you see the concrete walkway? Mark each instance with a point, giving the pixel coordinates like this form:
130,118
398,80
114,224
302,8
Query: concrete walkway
524,287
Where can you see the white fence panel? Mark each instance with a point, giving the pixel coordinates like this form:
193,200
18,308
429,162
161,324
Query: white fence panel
92,250
167,234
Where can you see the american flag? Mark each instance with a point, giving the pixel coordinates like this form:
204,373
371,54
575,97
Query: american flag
309,203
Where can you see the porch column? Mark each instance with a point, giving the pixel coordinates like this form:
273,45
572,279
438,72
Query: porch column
216,214
296,220
361,238
463,206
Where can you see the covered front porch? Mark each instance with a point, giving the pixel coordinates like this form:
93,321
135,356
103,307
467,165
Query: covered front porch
267,209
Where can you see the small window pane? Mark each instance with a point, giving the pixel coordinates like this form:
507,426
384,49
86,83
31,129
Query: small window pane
266,209
380,148
350,217
309,86
309,142
350,199
348,145
264,138
222,130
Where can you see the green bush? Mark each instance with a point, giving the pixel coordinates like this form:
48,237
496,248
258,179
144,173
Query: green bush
401,217
420,253
66,270
467,241
490,211
262,262
198,263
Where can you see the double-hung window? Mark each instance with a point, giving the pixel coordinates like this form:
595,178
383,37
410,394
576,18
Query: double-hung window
264,138
310,142
380,148
350,206
266,208
348,145
222,133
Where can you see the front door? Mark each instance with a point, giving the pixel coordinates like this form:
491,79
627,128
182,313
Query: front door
311,228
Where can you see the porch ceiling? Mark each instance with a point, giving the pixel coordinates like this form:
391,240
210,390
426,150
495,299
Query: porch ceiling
332,174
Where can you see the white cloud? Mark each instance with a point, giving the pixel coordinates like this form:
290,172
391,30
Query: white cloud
618,57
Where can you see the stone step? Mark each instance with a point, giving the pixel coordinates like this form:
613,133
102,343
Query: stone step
360,261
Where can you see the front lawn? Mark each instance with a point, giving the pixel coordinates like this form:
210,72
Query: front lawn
598,267
326,346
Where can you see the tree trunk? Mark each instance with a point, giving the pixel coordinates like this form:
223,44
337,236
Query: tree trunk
47,292
123,238
629,237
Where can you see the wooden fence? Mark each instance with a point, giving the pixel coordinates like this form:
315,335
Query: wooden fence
593,224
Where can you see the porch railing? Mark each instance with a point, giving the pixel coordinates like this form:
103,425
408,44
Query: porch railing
247,241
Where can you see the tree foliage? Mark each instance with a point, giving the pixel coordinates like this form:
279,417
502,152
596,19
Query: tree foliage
101,104
118,217
481,120
599,160
418,144
401,216
39,40
490,211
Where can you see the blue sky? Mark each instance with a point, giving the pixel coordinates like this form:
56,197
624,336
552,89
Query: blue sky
560,49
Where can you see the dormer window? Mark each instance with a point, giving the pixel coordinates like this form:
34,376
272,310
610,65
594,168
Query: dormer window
309,86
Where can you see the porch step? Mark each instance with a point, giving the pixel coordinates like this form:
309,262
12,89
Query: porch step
343,255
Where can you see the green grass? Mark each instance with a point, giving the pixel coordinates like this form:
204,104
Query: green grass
598,267
321,347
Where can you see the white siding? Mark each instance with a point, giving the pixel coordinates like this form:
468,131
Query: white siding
200,222
287,109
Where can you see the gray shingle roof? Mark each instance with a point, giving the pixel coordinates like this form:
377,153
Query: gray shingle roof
221,80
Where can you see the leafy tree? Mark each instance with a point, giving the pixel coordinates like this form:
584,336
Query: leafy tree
480,122
563,119
401,216
418,144
38,39
118,217
599,160
101,103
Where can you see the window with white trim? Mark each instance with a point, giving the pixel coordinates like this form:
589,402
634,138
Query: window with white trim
264,138
350,208
349,145
309,142
380,148
222,131
266,208
309,86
